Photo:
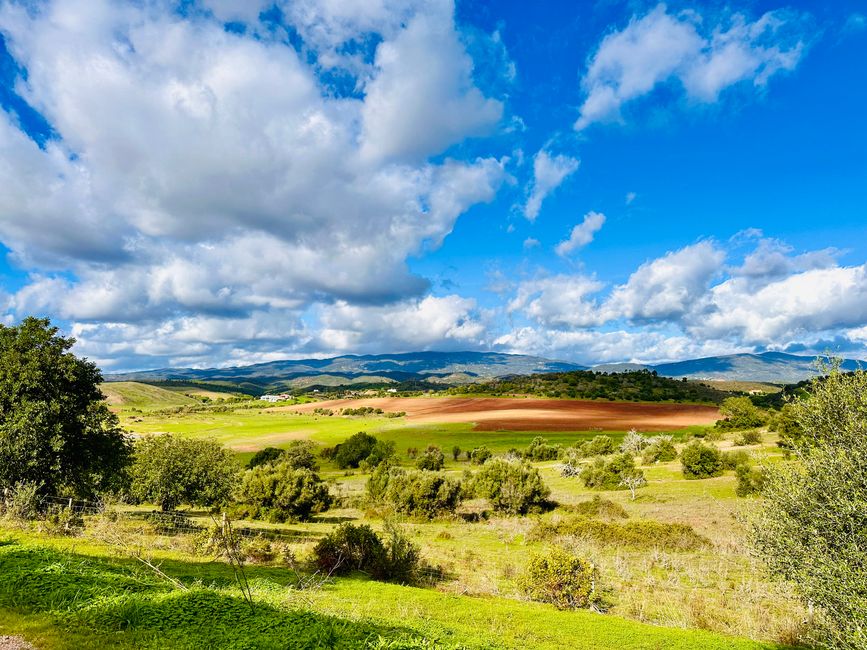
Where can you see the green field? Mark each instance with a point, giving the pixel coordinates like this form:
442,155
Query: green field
714,596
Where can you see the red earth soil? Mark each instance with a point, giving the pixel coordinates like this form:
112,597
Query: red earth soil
528,414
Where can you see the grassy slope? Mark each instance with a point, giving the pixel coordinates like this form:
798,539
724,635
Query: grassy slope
100,602
131,394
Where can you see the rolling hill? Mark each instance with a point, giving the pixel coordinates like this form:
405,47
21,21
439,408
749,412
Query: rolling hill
434,367
457,368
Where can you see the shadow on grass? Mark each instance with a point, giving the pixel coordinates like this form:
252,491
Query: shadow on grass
116,597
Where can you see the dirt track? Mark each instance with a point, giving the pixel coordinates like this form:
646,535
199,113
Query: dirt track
493,414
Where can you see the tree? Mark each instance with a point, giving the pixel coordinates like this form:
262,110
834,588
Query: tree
170,471
698,460
431,459
515,488
281,492
633,481
660,450
353,450
266,455
740,413
810,526
55,430
456,453
479,455
540,449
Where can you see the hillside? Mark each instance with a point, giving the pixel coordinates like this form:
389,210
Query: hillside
771,367
643,385
439,367
132,394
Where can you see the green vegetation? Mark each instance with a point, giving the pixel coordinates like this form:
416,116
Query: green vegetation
740,413
561,578
55,430
645,534
611,473
810,527
699,460
414,493
511,487
281,491
431,459
358,548
170,471
640,386
135,395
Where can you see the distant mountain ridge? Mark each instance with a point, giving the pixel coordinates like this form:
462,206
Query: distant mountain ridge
466,367
435,367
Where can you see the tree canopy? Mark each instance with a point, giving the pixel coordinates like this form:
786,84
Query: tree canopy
55,430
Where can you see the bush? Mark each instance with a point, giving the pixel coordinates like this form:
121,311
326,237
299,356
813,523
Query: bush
479,455
22,501
414,493
787,425
301,454
598,507
750,479
699,460
511,487
353,450
540,449
740,413
644,534
660,450
608,475
732,459
358,548
599,446
749,437
266,455
64,521
169,470
558,577
279,492
431,459
456,453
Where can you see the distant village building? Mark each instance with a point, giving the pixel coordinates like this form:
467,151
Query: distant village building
275,398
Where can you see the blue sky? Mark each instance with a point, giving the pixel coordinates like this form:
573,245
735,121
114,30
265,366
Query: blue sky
219,182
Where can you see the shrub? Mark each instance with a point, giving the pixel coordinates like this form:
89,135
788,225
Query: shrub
787,425
598,507
750,480
561,578
643,534
660,450
414,493
431,459
358,548
22,501
540,449
279,492
301,454
511,487
456,453
64,521
382,452
598,446
607,474
749,437
169,470
699,460
732,459
740,413
353,450
479,455
266,455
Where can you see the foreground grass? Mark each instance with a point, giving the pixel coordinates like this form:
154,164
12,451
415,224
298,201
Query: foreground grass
83,599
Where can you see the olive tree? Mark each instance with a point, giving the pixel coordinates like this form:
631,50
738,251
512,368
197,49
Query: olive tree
56,432
809,528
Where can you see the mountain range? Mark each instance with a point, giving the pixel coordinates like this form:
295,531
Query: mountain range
467,367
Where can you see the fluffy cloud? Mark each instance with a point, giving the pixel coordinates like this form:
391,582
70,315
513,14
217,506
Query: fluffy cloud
704,56
582,234
202,172
559,301
549,172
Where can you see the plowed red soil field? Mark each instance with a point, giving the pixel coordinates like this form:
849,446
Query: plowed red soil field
516,414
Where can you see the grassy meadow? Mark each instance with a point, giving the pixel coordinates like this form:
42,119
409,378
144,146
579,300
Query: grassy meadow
658,591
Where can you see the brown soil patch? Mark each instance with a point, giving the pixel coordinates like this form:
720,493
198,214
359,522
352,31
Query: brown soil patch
515,414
